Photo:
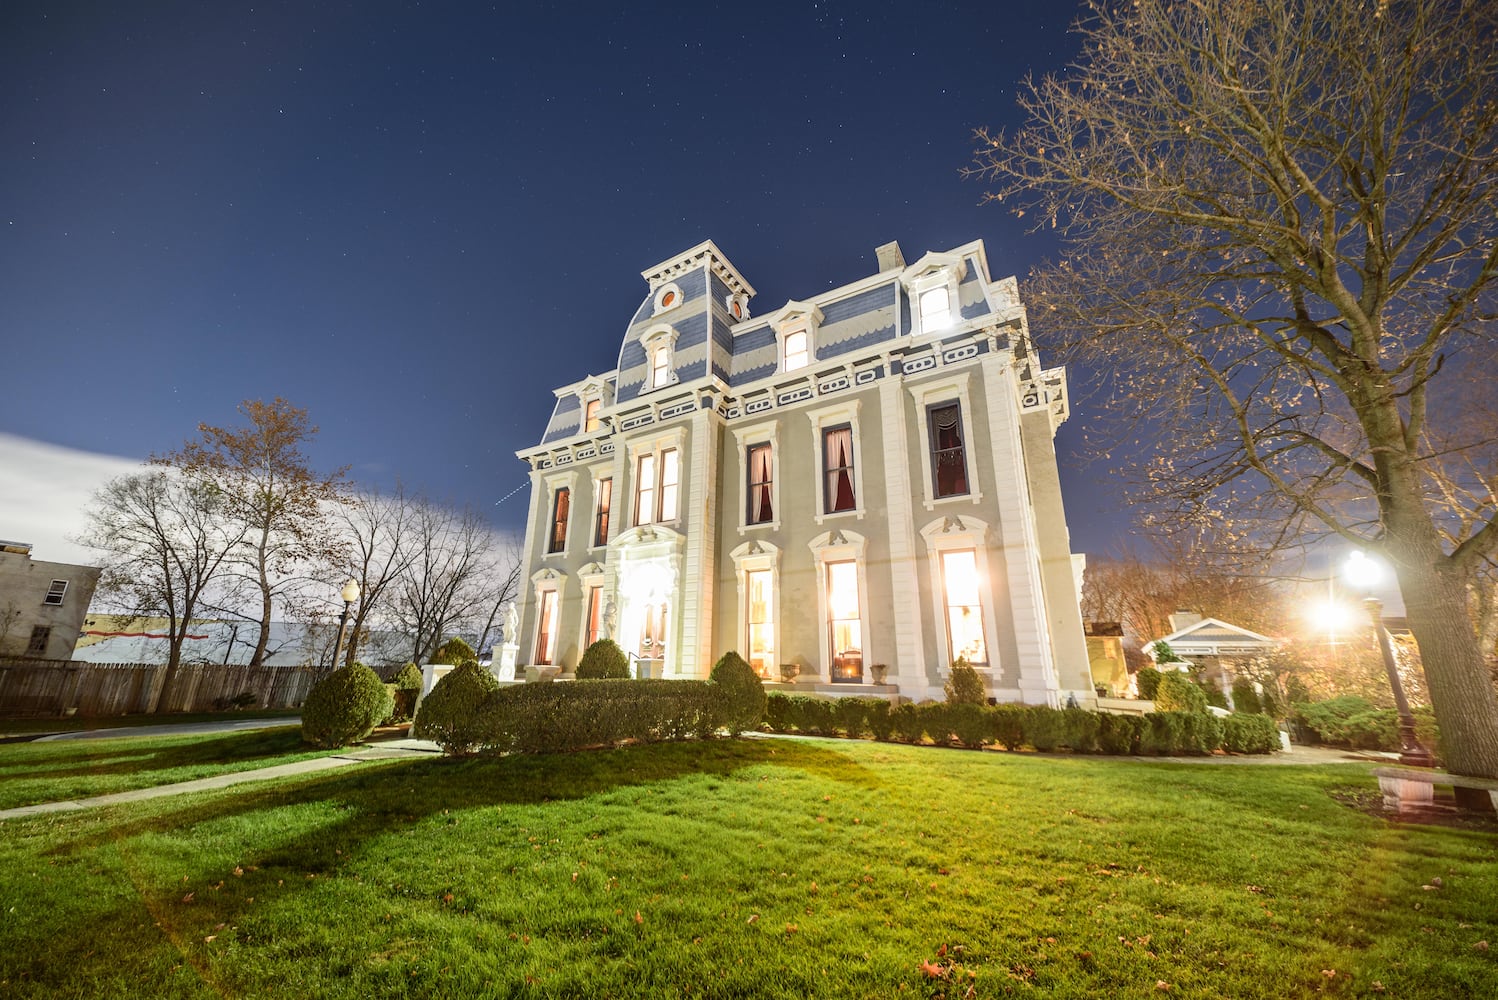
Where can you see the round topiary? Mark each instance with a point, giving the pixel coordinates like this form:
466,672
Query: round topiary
345,706
408,678
454,652
1177,693
453,713
964,686
603,661
741,693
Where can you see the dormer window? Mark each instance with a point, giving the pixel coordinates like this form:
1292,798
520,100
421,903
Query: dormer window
936,309
796,353
796,329
660,345
591,421
931,283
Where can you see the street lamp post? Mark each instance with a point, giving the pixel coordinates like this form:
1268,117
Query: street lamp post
1364,573
350,594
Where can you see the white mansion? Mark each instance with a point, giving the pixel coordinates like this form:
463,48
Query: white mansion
861,484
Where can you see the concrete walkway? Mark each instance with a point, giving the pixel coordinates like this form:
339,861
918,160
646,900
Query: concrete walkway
384,750
173,729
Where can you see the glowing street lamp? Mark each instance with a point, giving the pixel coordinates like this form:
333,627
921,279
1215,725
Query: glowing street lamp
1363,573
350,594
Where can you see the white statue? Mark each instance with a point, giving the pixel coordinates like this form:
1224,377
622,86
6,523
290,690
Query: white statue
512,622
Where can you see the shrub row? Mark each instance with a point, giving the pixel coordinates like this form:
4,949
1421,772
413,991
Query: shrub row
468,711
1014,726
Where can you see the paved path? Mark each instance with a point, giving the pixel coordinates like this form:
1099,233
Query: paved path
385,750
174,729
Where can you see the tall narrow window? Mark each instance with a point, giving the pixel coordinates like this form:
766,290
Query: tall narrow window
595,615
601,519
761,484
837,452
660,365
55,592
38,644
796,353
590,415
960,584
559,519
845,625
761,618
645,490
653,632
936,309
948,459
670,484
546,631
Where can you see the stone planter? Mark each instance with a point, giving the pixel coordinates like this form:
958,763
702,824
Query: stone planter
879,672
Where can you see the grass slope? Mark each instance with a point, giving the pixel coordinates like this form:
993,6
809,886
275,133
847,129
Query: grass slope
775,868
75,769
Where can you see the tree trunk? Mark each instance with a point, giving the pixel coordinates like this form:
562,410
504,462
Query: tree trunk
258,657
1435,600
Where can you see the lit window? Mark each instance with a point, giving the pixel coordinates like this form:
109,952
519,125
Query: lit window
668,300
590,415
38,644
796,354
660,365
761,620
559,509
948,459
936,309
595,615
55,592
670,484
645,490
964,606
761,485
837,461
601,519
844,625
546,631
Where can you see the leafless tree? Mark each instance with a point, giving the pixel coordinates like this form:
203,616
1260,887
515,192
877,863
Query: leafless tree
442,585
1280,240
167,536
379,532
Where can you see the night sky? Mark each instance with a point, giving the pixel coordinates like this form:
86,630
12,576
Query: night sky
417,220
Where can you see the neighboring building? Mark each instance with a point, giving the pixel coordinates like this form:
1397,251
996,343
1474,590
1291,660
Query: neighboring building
42,604
863,477
1216,646
125,639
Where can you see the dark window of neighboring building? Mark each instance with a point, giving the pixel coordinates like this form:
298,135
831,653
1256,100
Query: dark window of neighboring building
948,460
38,644
55,592
761,484
837,452
601,521
559,520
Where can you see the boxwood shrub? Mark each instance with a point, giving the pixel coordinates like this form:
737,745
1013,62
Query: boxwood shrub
1006,725
1249,733
552,718
452,714
603,660
344,707
906,723
739,689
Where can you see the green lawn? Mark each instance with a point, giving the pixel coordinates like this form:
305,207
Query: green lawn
782,868
75,769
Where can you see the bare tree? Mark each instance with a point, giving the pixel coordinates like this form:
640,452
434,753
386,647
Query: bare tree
167,537
378,531
269,487
1280,238
501,583
442,585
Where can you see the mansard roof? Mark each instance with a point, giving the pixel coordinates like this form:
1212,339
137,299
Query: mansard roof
700,301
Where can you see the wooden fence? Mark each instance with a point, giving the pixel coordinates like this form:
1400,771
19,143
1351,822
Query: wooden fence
58,687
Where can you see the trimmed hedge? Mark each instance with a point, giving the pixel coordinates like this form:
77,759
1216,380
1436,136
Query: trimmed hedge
1014,726
553,718
1350,721
603,661
344,707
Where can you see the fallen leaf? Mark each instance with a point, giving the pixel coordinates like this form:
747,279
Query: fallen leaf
188,898
1162,985
933,971
639,919
1481,946
752,918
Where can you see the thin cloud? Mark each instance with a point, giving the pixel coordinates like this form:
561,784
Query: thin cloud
44,489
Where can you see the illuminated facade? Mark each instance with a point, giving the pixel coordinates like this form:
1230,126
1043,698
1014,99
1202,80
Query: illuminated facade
862,483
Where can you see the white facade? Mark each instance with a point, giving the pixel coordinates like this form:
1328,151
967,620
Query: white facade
862,477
